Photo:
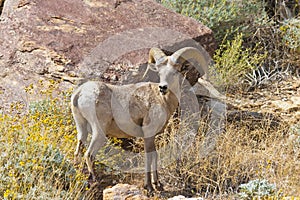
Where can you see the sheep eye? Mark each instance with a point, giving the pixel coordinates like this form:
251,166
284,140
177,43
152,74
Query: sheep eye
184,68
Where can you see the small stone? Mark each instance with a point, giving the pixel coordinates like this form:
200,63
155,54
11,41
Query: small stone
124,191
296,100
56,68
285,106
114,77
296,85
181,197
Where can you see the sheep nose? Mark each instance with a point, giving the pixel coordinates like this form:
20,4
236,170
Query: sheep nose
163,89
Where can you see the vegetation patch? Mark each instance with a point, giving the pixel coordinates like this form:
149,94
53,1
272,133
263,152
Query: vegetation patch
37,149
233,62
270,41
242,154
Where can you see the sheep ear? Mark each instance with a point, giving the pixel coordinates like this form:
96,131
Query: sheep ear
152,67
179,67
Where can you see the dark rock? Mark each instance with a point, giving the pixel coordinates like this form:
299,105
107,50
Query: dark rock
82,38
253,120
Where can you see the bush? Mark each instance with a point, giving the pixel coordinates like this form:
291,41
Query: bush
262,29
291,33
233,61
36,149
222,16
257,189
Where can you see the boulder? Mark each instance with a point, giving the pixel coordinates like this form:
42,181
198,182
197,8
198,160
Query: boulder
181,197
82,38
123,191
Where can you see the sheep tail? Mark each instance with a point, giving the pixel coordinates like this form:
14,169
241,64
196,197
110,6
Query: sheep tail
75,99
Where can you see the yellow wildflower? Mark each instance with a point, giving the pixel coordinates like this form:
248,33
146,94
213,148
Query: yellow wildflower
22,163
6,193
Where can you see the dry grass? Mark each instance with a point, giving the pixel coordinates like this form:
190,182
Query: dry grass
241,154
248,150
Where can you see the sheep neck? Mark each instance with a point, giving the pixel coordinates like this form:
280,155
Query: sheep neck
176,90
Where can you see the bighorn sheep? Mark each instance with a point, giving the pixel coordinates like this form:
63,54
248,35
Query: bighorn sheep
134,110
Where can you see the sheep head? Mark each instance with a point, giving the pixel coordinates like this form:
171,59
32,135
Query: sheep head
189,61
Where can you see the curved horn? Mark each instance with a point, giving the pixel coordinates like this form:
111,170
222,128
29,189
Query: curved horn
187,53
157,56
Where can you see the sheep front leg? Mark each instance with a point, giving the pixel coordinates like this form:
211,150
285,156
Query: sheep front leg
156,182
150,154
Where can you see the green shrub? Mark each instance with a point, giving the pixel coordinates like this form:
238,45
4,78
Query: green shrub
222,16
233,61
291,33
258,189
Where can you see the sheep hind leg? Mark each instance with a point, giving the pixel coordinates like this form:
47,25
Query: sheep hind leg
82,132
98,140
90,164
78,152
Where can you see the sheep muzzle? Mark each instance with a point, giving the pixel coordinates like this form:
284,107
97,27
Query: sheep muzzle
163,89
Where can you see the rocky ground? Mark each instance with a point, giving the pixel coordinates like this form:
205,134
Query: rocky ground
281,98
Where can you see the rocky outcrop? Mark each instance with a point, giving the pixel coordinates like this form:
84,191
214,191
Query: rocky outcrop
78,38
277,103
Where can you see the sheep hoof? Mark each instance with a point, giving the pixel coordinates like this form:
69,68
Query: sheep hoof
77,161
150,189
92,178
159,186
